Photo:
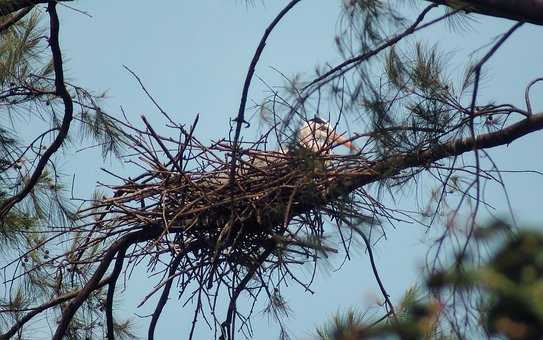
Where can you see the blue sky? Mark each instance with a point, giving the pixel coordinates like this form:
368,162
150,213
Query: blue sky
193,56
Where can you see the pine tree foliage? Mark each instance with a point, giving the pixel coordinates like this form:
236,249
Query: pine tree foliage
508,285
28,96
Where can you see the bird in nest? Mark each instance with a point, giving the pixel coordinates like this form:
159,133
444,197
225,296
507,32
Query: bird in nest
315,139
318,136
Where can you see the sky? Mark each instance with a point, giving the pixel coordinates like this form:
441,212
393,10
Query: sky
193,57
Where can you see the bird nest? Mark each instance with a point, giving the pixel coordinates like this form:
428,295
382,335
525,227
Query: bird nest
227,224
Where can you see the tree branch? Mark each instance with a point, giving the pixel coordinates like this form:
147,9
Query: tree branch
519,10
365,56
457,147
240,119
226,325
37,310
164,296
118,247
63,93
15,18
10,6
111,292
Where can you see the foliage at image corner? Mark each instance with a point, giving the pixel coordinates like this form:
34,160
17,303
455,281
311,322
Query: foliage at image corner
509,285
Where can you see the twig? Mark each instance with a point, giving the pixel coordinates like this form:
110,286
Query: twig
164,297
240,119
241,286
475,147
527,94
358,59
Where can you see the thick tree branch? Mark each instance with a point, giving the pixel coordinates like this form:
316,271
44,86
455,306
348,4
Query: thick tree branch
10,6
14,19
391,166
63,93
519,10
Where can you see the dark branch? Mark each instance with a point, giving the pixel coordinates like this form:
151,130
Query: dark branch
240,287
118,247
519,10
14,19
10,6
164,296
111,292
63,93
457,147
240,119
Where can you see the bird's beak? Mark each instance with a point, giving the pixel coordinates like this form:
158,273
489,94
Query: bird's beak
340,140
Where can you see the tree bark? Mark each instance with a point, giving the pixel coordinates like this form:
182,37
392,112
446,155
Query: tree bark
519,10
10,6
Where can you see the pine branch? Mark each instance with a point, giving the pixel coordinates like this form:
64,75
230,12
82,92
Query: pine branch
63,93
37,310
518,10
373,52
394,165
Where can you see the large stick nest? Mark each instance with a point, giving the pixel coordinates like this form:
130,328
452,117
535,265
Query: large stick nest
224,224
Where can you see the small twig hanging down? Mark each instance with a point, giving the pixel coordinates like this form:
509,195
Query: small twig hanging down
477,70
367,242
165,294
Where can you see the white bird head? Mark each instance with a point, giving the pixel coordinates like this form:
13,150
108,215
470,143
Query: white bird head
317,135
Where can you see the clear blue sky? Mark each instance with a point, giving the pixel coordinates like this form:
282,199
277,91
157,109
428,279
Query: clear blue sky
193,56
